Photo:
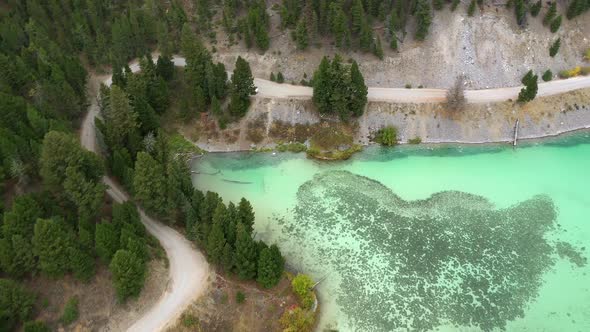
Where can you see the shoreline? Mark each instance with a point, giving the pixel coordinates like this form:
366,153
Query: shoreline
434,144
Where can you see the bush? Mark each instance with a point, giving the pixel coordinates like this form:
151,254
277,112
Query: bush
36,326
292,147
547,75
188,320
408,86
471,8
555,24
70,313
297,320
240,297
301,286
571,72
272,77
555,47
387,136
280,78
415,140
536,8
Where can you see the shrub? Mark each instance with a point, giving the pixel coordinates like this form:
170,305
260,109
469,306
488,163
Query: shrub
272,77
297,320
571,72
415,140
555,47
280,78
536,8
36,326
547,75
387,136
555,24
240,297
471,8
188,320
70,313
408,86
301,286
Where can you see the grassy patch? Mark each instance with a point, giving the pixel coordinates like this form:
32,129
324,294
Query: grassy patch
415,140
334,155
70,313
292,147
331,137
179,144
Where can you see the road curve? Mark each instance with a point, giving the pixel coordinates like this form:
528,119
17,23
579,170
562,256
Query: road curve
270,89
188,269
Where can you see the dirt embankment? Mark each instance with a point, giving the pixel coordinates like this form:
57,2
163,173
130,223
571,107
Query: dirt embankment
432,122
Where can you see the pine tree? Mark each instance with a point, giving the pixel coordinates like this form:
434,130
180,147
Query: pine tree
272,77
149,184
536,8
547,75
227,258
245,255
106,240
322,86
550,15
529,91
358,91
377,49
393,43
270,267
280,78
242,87
423,19
555,47
437,4
520,12
216,241
555,24
358,16
246,215
128,273
301,35
120,119
366,37
51,241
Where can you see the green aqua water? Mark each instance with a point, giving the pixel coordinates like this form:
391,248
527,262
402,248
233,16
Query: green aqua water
451,238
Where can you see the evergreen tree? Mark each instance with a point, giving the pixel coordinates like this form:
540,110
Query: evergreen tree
358,91
471,8
555,47
437,4
536,8
51,241
149,184
520,12
280,78
454,5
242,87
550,15
378,49
547,75
322,86
227,258
128,274
366,37
216,238
245,256
120,119
358,16
246,215
106,240
423,19
529,91
301,35
555,24
16,304
81,263
272,77
270,267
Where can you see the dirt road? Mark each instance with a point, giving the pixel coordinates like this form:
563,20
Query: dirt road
271,89
188,269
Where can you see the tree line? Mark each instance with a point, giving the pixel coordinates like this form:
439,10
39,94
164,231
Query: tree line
339,88
351,23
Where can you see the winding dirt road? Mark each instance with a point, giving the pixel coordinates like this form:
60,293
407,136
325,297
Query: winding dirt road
188,269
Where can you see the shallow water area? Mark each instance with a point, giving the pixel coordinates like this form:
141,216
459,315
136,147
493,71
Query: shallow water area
444,238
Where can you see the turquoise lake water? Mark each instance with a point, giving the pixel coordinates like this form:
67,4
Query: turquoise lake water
419,238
